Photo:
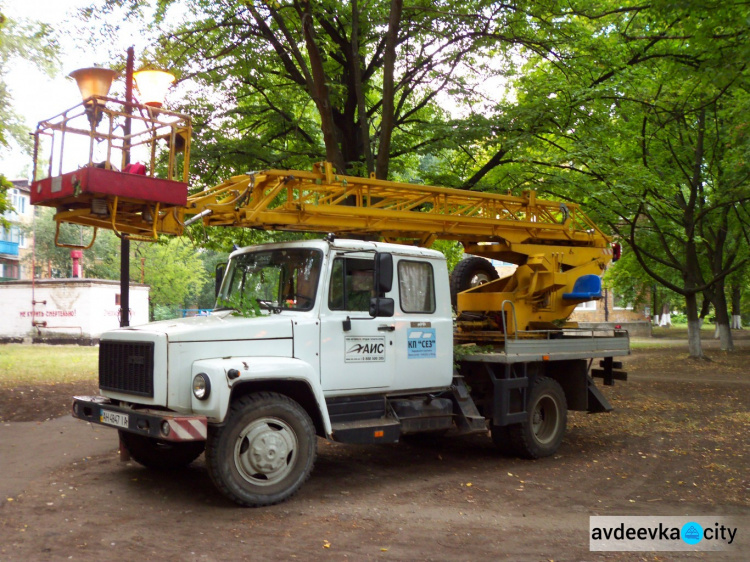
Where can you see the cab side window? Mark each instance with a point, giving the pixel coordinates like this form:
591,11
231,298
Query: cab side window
416,286
351,284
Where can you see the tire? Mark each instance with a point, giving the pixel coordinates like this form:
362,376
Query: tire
541,435
265,451
471,271
161,455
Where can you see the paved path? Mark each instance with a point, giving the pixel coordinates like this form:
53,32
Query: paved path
29,450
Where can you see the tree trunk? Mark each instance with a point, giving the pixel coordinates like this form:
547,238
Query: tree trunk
388,118
705,309
666,316
722,317
694,328
736,302
361,106
320,95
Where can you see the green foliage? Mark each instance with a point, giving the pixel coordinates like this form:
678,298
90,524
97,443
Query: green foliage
640,117
173,270
101,261
164,312
244,307
452,250
5,185
286,84
210,259
460,352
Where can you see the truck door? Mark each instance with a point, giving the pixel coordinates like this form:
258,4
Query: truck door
423,335
361,357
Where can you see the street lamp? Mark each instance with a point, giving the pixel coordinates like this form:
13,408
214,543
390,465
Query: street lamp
152,85
94,82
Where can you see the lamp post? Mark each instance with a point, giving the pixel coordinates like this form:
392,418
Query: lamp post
152,85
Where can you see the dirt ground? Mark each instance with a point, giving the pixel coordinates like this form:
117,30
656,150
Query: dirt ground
676,444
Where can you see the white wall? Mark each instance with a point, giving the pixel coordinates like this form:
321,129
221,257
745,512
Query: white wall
72,308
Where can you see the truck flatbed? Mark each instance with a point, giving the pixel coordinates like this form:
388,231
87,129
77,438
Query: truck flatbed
553,346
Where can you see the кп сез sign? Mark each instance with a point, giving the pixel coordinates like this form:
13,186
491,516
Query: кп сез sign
422,343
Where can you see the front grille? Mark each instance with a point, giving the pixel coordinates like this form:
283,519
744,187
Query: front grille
127,367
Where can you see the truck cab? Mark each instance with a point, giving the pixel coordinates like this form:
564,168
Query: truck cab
314,322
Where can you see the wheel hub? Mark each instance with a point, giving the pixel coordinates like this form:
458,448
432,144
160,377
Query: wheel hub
269,452
264,451
545,420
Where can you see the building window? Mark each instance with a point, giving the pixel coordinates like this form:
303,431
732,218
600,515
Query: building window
586,306
12,234
9,270
620,303
19,202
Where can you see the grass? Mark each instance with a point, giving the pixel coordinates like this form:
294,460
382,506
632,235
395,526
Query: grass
30,365
650,344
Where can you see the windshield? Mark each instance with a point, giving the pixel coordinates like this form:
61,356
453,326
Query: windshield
276,280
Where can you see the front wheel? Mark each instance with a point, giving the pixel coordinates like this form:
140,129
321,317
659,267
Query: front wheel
265,451
160,455
542,432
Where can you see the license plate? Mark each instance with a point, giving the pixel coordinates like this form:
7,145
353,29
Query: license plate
113,418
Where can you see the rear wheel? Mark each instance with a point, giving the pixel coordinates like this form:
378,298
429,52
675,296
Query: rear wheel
541,434
164,455
470,272
265,451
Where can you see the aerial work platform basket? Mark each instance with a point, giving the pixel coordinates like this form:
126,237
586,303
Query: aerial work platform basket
87,152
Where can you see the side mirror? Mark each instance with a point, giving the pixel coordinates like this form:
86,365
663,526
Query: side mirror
220,269
383,273
381,307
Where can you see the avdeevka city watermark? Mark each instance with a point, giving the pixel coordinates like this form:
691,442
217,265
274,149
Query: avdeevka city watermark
663,533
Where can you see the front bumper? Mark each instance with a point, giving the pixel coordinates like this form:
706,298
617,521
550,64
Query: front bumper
149,423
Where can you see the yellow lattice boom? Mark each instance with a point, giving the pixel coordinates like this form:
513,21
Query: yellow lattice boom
321,201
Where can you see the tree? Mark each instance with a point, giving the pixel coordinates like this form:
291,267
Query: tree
173,270
101,261
363,85
640,116
33,43
210,259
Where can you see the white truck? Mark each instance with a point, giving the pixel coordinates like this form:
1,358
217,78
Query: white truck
346,340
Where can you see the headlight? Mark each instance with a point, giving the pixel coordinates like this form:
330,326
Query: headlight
201,386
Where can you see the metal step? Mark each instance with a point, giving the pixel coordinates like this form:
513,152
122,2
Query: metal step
380,430
468,419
